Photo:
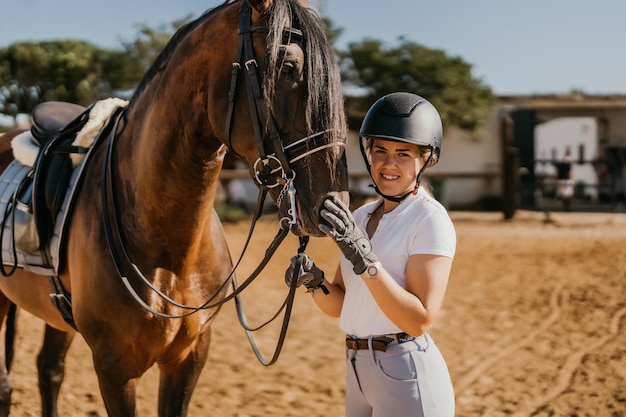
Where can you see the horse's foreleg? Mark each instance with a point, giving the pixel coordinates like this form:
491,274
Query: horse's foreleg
7,319
118,376
51,367
178,378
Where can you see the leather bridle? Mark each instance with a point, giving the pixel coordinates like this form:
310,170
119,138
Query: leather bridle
271,170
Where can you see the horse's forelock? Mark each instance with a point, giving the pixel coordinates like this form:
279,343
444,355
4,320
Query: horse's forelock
324,101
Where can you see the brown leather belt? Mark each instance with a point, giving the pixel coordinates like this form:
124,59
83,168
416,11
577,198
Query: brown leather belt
378,343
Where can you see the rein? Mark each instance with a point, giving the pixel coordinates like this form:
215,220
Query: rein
120,254
269,171
115,243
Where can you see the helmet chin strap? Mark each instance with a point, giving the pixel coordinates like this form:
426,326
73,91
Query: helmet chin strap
399,198
395,199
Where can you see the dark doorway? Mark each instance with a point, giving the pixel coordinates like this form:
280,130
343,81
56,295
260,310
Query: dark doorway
524,140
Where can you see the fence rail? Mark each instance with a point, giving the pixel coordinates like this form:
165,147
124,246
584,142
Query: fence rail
230,174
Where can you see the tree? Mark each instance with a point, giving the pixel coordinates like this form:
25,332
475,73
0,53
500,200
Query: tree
447,82
148,44
76,71
66,70
332,31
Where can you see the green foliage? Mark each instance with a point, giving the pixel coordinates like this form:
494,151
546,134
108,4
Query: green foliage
75,71
66,70
332,32
446,81
148,44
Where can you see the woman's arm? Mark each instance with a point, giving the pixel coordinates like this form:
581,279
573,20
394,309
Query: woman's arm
332,302
413,309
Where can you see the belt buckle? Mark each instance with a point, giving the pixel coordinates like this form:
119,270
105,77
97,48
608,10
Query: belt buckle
403,337
399,338
352,344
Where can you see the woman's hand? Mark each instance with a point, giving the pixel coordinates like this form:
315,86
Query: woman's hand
309,274
354,245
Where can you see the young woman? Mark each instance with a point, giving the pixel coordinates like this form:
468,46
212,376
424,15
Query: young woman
396,258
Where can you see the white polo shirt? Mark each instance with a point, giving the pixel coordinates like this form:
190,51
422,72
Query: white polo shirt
419,225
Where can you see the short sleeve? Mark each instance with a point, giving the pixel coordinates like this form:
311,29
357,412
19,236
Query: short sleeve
434,235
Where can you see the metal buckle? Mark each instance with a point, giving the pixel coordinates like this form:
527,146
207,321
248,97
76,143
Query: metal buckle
399,338
249,63
267,169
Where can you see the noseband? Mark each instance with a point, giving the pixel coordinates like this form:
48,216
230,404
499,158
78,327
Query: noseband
271,169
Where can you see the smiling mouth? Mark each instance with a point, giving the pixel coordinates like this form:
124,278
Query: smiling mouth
390,177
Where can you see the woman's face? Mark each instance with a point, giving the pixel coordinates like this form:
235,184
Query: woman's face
395,166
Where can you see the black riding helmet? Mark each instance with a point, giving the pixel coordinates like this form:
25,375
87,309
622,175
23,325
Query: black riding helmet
402,117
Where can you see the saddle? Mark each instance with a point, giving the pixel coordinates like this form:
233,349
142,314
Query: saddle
40,194
38,188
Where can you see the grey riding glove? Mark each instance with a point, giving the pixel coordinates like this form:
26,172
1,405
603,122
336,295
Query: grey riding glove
309,275
354,245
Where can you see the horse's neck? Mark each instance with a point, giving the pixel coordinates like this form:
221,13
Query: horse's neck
170,179
174,158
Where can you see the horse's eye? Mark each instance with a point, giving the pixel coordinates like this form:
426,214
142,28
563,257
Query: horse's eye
290,61
287,68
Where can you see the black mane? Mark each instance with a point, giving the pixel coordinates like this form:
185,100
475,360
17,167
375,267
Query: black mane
324,101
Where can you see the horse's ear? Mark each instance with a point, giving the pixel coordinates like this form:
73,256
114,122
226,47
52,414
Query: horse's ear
259,8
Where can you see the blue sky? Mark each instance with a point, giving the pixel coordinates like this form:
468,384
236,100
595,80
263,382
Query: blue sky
515,47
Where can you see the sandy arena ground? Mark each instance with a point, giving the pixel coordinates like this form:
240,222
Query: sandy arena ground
534,324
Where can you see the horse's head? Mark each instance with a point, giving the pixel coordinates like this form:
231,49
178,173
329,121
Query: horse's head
286,116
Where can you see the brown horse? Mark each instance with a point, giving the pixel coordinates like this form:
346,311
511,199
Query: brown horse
281,110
